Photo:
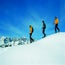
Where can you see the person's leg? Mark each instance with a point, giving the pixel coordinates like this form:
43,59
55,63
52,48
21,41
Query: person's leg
58,28
44,33
55,28
30,37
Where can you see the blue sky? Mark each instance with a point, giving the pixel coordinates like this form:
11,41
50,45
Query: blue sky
17,15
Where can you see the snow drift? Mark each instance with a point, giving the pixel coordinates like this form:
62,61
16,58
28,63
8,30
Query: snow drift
47,51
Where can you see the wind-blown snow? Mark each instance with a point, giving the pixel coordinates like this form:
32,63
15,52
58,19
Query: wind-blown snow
47,51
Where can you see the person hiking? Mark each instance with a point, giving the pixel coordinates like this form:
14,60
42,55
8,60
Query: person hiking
31,31
43,28
56,21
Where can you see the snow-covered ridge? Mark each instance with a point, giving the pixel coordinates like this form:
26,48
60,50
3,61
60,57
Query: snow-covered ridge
47,51
6,41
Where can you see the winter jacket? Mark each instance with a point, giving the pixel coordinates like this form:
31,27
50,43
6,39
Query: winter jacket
31,29
56,21
44,26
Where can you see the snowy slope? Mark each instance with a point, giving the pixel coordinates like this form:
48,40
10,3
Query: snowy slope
47,51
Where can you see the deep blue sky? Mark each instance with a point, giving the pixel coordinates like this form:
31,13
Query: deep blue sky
17,15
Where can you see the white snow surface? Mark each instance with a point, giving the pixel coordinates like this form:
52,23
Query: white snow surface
47,51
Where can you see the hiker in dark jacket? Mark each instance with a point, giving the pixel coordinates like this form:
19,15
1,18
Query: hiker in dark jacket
31,31
43,28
